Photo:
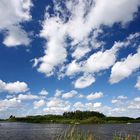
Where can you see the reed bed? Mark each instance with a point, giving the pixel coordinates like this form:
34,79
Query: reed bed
72,133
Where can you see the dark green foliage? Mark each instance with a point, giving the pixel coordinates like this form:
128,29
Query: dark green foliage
39,118
75,117
119,119
138,118
82,115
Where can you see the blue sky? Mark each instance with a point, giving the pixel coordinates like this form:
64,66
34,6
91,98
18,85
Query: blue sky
70,55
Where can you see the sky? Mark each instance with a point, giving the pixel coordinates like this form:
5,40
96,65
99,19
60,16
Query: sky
58,56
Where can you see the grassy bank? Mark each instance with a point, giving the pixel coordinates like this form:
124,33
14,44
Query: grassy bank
73,133
127,137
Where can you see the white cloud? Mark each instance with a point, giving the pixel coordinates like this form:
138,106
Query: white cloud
55,52
57,106
18,12
138,84
108,14
10,96
73,68
16,36
80,52
38,104
100,61
84,81
81,96
121,110
87,106
78,106
13,87
137,99
95,95
9,103
100,13
58,93
69,94
119,100
123,107
84,18
43,92
121,97
125,68
27,97
134,104
115,101
57,110
54,102
97,105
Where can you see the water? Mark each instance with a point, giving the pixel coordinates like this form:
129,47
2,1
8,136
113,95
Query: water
29,131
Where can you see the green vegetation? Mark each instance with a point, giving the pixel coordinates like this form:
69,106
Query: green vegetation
127,137
76,117
72,133
1,120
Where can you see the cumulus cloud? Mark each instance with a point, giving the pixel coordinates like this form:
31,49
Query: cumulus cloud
56,106
58,93
13,87
138,83
28,96
114,101
100,61
87,106
18,12
69,94
134,104
125,68
38,104
95,95
73,68
43,92
16,36
81,96
98,104
84,81
78,106
9,103
72,26
80,52
119,100
121,97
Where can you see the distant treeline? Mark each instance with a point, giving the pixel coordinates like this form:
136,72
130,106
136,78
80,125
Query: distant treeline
82,115
74,117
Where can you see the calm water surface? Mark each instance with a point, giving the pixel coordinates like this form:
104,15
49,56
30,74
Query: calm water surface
29,131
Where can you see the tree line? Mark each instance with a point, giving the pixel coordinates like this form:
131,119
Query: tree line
74,117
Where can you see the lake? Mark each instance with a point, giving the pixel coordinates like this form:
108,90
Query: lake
30,131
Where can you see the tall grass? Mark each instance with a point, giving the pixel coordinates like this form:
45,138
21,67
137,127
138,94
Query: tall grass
72,133
127,137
